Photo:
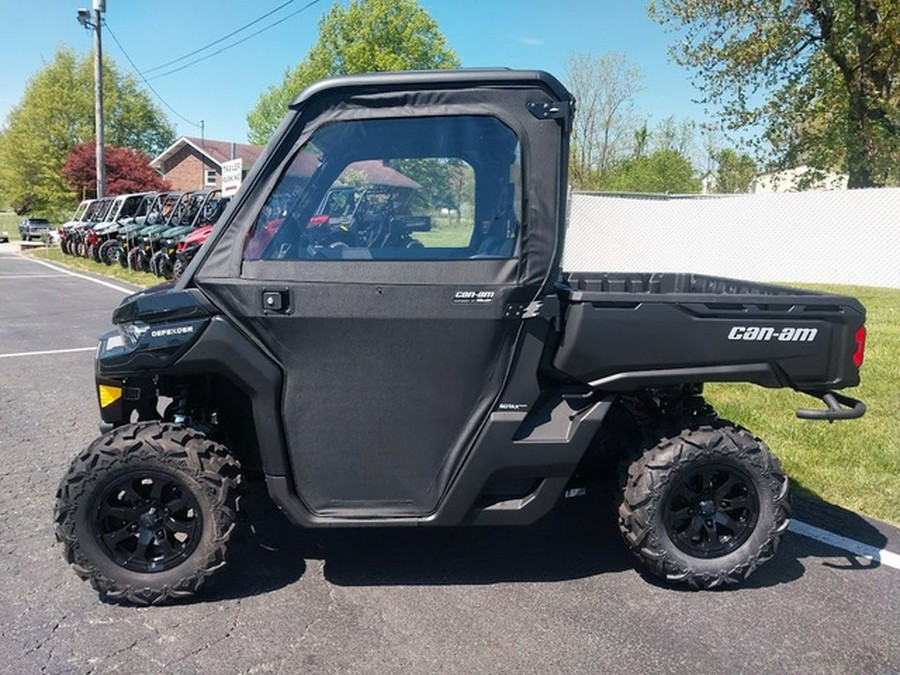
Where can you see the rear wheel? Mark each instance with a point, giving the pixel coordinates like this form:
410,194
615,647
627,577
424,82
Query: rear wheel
705,507
146,512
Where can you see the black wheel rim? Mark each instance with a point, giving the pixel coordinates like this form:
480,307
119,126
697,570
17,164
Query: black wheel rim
147,521
711,510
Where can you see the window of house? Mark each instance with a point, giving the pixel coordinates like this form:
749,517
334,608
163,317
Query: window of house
210,178
427,188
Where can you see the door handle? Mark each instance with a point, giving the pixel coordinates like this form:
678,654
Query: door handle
276,301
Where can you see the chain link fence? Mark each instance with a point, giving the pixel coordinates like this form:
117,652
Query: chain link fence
838,237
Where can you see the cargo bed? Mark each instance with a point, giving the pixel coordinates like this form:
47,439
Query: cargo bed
626,331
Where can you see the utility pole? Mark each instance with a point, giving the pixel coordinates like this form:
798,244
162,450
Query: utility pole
85,20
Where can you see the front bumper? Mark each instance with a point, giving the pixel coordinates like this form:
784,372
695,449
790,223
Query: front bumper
125,373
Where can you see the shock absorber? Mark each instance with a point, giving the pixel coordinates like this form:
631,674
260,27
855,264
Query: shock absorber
181,415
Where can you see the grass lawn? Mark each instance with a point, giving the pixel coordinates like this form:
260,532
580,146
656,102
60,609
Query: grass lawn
446,231
854,463
54,254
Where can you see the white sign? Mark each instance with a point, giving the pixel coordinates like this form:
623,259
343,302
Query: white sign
232,175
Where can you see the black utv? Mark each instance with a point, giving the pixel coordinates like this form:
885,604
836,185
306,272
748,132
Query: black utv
455,377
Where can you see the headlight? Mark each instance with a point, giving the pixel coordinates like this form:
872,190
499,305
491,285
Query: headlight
132,332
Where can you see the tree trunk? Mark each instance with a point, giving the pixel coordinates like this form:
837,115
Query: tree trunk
858,166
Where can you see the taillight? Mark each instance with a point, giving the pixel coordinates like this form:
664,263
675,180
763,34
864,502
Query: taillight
180,246
860,352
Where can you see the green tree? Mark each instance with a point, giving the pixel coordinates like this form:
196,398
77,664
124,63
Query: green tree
819,76
605,124
663,171
674,134
366,36
735,171
56,113
438,179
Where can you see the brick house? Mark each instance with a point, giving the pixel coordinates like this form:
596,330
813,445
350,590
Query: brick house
192,163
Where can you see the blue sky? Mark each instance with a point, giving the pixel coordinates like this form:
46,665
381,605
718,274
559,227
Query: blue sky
540,34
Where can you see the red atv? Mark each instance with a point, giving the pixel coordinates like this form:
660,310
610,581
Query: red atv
188,247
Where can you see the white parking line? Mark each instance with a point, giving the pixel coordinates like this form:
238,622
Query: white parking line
49,351
882,556
127,291
31,276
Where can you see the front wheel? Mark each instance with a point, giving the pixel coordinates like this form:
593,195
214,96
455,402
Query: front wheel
705,507
165,268
135,255
178,268
146,512
160,265
109,251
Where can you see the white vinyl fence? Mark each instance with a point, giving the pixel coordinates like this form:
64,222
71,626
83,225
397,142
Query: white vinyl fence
840,237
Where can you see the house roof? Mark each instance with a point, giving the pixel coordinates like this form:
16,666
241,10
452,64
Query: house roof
372,171
376,173
217,151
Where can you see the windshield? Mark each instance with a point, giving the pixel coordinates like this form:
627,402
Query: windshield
130,206
82,207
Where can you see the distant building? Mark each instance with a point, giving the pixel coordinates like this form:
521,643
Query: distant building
192,163
708,183
800,179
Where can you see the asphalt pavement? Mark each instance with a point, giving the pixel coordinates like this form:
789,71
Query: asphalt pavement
561,596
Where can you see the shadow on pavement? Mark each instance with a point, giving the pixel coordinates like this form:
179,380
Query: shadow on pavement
812,510
577,539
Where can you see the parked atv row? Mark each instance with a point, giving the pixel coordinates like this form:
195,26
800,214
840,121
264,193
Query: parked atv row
146,232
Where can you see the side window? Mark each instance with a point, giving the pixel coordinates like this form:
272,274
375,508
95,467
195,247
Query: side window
436,188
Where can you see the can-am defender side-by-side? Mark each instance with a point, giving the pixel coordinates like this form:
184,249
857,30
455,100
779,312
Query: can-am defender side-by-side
433,365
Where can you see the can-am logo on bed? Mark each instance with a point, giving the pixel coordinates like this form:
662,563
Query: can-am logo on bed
473,297
767,334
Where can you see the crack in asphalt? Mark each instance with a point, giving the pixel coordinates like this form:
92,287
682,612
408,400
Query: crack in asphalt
238,609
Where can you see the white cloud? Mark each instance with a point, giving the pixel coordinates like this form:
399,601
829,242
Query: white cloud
529,40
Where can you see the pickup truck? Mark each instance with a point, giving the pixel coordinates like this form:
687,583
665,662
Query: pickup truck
434,367
33,228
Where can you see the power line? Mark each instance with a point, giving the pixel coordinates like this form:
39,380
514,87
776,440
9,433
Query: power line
221,39
144,79
235,44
